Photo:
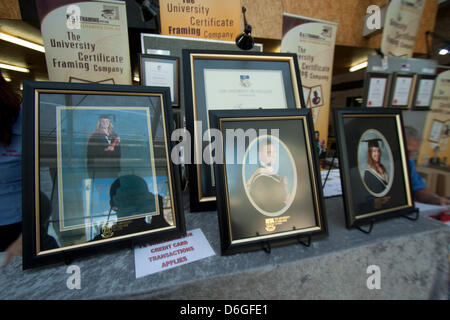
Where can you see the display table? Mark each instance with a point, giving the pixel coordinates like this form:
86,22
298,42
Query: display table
412,257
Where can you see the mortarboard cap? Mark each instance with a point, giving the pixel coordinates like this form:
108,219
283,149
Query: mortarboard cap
373,142
107,116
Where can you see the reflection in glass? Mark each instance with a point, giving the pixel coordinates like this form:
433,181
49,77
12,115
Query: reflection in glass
87,143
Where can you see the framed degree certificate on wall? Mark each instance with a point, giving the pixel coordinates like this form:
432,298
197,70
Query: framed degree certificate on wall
402,85
424,92
376,89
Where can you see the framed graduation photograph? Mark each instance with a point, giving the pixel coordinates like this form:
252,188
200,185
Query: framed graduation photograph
161,71
373,165
401,90
229,80
423,95
269,190
97,169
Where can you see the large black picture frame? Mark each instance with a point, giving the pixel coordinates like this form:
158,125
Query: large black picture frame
364,200
66,186
249,219
195,64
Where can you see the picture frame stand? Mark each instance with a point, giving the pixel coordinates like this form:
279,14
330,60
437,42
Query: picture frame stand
415,218
306,244
68,258
329,169
370,227
266,247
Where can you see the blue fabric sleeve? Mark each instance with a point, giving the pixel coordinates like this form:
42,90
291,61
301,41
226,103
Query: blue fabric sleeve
417,182
11,178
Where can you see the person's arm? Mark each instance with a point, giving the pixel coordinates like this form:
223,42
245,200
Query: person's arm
426,196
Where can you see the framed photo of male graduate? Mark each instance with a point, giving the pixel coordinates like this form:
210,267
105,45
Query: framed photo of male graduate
373,165
228,80
97,169
268,181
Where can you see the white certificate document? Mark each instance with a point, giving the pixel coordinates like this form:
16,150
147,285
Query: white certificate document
244,89
377,88
425,92
436,130
402,91
160,74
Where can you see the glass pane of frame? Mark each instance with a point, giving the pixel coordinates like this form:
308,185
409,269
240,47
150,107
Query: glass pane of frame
101,166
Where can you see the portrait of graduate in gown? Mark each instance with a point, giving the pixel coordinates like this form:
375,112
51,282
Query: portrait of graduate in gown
268,190
375,166
103,150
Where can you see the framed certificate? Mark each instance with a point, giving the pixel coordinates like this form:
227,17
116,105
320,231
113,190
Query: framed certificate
97,169
376,90
402,85
423,95
269,187
231,80
161,71
373,165
437,128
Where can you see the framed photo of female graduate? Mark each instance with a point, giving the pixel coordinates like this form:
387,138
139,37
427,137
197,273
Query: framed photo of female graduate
374,165
161,71
268,180
228,80
97,169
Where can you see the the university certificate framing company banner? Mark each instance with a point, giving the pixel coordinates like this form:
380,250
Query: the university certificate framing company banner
85,41
207,19
313,41
435,140
401,26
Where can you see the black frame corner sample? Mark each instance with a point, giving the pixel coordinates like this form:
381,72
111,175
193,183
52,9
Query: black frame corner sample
157,78
374,165
367,89
392,103
264,203
231,80
417,104
97,172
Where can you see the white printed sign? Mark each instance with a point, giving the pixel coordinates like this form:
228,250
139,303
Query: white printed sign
163,256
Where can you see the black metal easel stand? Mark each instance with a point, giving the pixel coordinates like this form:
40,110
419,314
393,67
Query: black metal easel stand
268,248
307,243
370,227
416,215
329,170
